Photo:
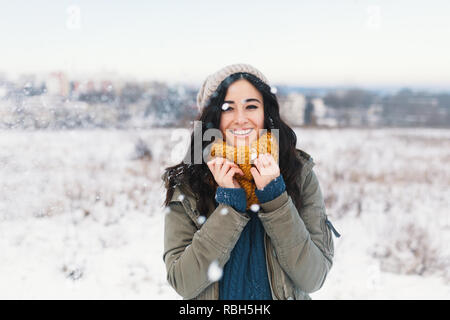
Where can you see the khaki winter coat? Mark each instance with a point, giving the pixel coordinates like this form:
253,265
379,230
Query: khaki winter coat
299,246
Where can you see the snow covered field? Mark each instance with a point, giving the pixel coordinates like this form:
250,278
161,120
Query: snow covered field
80,218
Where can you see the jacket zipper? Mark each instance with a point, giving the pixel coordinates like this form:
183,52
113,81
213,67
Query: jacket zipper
269,262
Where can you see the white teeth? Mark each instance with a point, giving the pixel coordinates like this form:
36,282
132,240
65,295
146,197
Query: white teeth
241,132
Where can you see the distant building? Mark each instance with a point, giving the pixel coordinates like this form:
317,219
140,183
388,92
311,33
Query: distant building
57,84
292,109
374,115
323,115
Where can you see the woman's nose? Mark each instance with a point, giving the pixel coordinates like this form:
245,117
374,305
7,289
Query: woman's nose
240,116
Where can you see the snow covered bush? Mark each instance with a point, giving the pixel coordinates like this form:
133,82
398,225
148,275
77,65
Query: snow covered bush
411,249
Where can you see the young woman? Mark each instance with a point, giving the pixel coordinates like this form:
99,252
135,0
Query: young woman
246,219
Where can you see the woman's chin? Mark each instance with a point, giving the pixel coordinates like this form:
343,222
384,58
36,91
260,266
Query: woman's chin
240,141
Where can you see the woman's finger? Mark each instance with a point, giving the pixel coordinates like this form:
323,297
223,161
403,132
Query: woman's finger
231,173
273,165
259,164
234,165
254,172
230,177
218,163
212,166
226,167
238,170
270,159
265,161
256,176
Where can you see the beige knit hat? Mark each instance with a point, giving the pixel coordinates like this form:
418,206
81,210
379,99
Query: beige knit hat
213,81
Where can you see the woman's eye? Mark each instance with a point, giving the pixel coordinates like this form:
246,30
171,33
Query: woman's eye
226,107
252,107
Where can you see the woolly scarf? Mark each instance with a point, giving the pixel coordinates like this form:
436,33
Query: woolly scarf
244,157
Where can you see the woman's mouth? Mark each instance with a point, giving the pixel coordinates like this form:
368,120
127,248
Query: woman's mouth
241,132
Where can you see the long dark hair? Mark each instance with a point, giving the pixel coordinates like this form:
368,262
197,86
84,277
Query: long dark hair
198,177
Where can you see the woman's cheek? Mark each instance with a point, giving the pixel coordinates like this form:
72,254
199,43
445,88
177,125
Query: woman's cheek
224,123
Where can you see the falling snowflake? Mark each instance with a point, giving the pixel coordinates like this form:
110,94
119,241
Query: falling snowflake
224,211
214,271
201,219
253,156
225,106
273,90
181,197
254,207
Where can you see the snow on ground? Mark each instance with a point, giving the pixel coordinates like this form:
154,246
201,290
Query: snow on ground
81,218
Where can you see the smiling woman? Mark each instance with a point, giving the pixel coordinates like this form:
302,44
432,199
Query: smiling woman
262,220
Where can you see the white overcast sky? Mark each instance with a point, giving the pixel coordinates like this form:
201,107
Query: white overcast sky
320,42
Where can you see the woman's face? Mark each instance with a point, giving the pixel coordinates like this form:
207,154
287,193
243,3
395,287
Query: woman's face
242,115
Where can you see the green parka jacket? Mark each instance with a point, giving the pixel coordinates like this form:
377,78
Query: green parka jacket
299,245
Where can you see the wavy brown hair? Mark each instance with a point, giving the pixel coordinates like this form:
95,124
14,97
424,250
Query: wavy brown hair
198,177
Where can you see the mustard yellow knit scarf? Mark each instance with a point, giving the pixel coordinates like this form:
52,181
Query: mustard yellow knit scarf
244,156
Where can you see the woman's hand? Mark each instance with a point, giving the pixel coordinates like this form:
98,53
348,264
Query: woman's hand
223,171
266,170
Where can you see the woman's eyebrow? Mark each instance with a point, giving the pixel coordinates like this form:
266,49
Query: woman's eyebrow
245,101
